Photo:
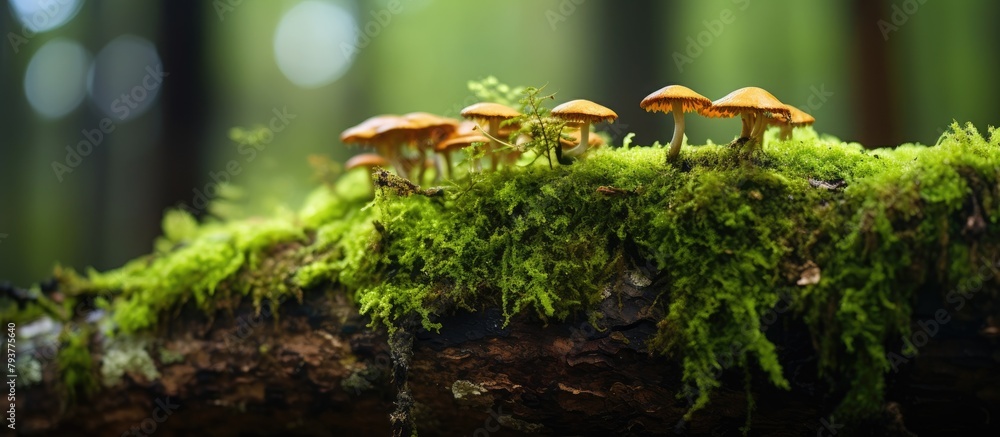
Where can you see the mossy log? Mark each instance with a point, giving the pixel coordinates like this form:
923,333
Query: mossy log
814,287
318,371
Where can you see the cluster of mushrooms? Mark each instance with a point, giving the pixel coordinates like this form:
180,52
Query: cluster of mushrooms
413,143
758,108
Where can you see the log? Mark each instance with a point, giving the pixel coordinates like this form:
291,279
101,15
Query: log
591,299
318,370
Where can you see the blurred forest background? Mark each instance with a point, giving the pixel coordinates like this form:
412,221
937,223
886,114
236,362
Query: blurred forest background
89,71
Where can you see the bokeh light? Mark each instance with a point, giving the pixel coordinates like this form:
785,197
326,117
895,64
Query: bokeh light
126,77
44,15
55,79
312,42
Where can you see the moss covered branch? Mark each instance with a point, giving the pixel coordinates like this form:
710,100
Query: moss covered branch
844,238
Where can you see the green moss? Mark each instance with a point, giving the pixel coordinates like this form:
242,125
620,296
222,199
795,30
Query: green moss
192,264
75,365
731,233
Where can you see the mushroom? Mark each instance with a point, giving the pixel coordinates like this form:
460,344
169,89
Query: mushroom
430,129
679,99
368,133
493,113
443,153
581,113
798,119
571,139
366,160
754,105
445,147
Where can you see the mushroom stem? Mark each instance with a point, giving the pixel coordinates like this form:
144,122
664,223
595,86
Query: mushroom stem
422,172
584,141
786,131
494,144
675,142
447,164
758,130
747,118
438,168
391,154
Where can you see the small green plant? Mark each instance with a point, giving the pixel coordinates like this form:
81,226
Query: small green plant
538,124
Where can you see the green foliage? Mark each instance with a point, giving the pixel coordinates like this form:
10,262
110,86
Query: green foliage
537,123
75,365
491,89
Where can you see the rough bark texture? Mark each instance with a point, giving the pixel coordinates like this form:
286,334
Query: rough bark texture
244,375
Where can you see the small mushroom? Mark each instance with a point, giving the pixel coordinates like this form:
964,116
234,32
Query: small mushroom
754,105
419,130
492,113
571,139
368,133
581,113
431,129
446,147
366,160
798,119
679,99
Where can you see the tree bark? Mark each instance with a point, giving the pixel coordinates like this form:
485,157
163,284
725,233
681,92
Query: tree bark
317,369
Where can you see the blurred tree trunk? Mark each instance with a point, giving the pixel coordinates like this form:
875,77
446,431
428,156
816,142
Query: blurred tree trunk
873,72
185,103
623,81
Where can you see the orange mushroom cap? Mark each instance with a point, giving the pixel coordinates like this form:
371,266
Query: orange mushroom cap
455,143
415,126
662,99
583,111
365,160
426,120
367,130
489,111
747,100
799,117
466,128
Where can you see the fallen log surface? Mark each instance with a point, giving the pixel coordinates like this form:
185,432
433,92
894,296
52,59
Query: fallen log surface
317,369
